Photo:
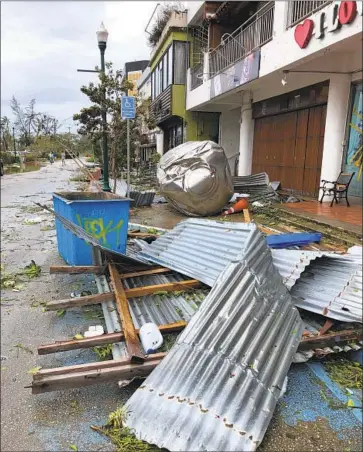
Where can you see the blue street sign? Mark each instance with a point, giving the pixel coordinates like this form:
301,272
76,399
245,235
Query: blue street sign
128,107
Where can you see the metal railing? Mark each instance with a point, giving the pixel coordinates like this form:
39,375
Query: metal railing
195,76
300,9
251,35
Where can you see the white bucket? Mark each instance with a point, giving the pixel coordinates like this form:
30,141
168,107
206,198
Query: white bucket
151,338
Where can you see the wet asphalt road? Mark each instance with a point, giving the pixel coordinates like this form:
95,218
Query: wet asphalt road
52,421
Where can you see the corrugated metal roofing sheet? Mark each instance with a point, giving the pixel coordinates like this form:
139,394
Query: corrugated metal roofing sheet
142,198
163,309
331,286
292,263
217,388
199,248
256,185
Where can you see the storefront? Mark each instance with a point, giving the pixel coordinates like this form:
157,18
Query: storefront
289,137
354,141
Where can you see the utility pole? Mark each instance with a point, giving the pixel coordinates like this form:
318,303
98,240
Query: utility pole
14,142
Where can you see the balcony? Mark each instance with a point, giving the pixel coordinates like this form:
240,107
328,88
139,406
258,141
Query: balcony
177,20
161,107
299,10
250,36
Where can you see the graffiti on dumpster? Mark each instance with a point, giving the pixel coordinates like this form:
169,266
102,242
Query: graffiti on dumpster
98,228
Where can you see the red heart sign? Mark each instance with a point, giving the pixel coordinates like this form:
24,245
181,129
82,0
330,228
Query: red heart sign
303,33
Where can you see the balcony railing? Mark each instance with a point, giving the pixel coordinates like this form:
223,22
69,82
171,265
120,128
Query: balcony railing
251,35
300,9
195,76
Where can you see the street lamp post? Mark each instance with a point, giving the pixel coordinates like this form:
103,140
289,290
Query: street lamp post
102,35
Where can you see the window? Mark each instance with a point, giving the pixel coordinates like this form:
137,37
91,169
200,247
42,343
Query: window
165,71
181,63
171,65
162,75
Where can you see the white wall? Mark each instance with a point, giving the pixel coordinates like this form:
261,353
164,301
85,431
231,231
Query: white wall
229,131
199,95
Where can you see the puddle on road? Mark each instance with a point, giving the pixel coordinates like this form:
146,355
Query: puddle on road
27,167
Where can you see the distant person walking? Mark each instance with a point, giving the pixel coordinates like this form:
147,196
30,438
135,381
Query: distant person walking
63,158
51,157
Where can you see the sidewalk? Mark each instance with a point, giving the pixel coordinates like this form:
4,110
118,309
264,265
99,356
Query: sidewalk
339,215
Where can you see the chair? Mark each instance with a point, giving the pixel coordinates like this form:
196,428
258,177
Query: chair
339,189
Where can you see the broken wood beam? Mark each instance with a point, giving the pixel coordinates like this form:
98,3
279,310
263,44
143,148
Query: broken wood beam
111,338
80,301
154,271
95,373
76,270
247,215
131,336
338,338
168,287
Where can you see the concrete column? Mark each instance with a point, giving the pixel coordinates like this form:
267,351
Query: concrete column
246,136
280,18
206,74
336,119
160,142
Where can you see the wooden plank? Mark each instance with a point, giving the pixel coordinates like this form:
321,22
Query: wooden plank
112,338
168,287
76,270
330,339
121,371
246,215
141,235
154,271
131,337
81,301
91,366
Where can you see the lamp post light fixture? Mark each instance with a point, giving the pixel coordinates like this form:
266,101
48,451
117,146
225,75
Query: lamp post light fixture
102,35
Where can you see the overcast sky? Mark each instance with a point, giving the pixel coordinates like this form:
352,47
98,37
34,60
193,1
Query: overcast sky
44,43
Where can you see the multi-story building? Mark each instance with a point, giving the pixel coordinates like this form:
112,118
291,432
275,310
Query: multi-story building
286,79
132,72
169,61
148,136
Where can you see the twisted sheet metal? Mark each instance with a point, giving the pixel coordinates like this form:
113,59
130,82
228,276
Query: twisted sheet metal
142,198
217,388
332,286
199,248
256,185
292,263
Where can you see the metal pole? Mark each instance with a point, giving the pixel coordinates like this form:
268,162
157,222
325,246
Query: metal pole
128,158
106,185
14,142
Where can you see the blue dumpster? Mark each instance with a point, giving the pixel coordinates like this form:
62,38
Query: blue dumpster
103,215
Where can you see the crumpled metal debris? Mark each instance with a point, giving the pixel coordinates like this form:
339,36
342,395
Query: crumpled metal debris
195,178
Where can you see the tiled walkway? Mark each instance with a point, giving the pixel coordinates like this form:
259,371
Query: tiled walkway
340,215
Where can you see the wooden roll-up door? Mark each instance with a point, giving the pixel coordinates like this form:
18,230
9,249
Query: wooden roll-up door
289,148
